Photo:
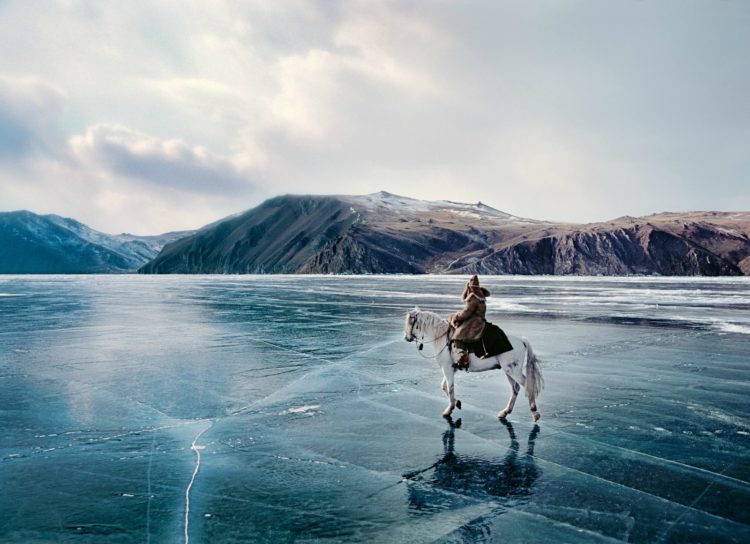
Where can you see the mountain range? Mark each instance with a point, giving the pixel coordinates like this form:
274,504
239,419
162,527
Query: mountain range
386,233
50,244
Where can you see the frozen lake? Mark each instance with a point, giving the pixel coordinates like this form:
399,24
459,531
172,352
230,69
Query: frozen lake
275,409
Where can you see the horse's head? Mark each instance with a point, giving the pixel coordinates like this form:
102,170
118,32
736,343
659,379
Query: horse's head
409,323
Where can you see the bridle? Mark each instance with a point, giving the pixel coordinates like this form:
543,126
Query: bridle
421,339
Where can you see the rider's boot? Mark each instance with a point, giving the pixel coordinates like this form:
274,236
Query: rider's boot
463,360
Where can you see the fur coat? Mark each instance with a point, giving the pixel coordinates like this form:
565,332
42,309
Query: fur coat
470,321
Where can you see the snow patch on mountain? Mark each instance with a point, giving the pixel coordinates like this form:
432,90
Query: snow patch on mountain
388,202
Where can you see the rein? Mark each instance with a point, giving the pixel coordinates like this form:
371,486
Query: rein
419,350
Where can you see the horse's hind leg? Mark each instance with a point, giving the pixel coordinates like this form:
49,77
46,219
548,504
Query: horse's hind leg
514,389
532,406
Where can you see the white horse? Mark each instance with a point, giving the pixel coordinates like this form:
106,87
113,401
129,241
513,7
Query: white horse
520,364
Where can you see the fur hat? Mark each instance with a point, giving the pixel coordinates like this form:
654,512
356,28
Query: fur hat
473,288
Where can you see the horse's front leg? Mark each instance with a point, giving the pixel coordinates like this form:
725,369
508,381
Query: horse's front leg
514,389
448,388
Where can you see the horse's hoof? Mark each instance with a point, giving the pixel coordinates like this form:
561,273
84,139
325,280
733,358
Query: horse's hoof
502,414
447,413
537,416
458,404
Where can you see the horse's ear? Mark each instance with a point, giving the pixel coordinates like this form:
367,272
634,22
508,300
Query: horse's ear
416,308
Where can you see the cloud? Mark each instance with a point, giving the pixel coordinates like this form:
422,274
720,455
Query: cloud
29,111
117,151
110,201
549,110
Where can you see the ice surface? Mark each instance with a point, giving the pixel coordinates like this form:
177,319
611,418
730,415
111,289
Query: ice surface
279,408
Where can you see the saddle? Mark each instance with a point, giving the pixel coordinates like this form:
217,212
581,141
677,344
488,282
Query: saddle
492,342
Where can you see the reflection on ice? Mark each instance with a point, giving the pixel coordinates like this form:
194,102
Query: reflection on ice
510,477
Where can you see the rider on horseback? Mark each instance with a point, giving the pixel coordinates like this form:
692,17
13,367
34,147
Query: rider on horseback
469,323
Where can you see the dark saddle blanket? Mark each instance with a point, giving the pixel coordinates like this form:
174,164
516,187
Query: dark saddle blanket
493,342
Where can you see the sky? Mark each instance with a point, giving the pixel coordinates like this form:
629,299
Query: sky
146,117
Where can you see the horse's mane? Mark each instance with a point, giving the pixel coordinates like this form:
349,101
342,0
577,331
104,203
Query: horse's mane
433,320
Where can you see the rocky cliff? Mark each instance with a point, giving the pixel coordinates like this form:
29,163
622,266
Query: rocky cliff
385,233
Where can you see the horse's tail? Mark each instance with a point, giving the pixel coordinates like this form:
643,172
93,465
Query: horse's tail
534,380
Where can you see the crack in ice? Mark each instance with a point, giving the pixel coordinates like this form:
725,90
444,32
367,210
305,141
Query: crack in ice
148,490
197,449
